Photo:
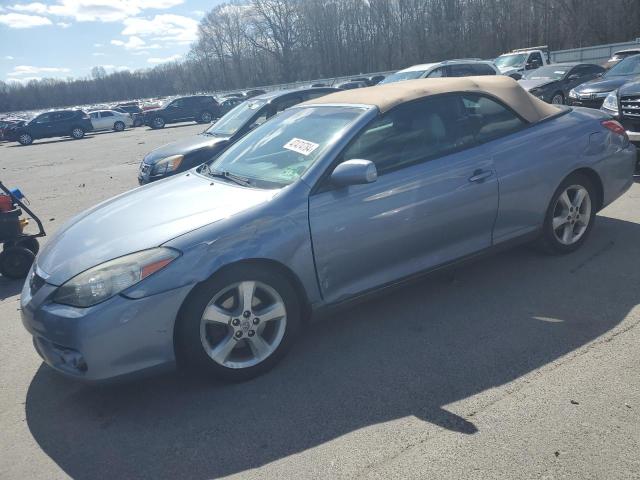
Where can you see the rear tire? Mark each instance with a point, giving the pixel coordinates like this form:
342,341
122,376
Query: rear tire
77,133
570,215
118,126
25,139
233,343
15,262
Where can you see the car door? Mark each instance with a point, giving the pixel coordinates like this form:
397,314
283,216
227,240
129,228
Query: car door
95,120
60,124
41,127
107,119
435,200
176,110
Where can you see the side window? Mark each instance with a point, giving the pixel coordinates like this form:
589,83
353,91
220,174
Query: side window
412,133
482,69
460,70
94,115
178,103
489,119
44,118
535,57
437,73
57,116
106,114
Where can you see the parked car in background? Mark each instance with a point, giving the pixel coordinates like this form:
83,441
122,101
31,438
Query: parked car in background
201,108
624,105
110,120
254,93
190,152
351,85
592,94
228,104
218,269
552,83
133,109
59,123
620,55
448,68
515,63
7,125
376,79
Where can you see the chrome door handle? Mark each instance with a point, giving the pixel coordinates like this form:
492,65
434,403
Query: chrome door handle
480,175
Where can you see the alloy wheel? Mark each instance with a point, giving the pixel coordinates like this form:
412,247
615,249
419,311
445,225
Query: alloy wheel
25,139
77,133
205,117
572,214
557,100
243,324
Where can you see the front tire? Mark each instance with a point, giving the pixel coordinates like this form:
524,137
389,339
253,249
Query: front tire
570,215
157,122
238,324
25,139
77,133
557,99
118,126
204,117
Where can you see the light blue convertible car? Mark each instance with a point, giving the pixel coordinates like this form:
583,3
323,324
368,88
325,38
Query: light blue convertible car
219,268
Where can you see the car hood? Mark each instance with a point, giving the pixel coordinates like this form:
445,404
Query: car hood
184,147
530,84
509,70
631,88
601,85
143,218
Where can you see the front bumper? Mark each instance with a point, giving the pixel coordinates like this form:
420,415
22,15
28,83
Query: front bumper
116,338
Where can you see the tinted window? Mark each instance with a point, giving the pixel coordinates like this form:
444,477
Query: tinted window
107,114
460,70
535,57
488,119
482,69
289,102
178,103
44,118
94,114
413,133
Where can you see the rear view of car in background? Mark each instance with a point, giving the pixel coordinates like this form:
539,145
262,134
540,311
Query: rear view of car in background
60,123
353,84
199,108
110,120
133,109
620,55
553,83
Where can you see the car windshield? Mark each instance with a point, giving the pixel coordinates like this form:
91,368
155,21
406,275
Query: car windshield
400,76
278,152
547,73
510,60
235,119
628,66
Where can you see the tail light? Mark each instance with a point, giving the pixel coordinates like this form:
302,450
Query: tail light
615,127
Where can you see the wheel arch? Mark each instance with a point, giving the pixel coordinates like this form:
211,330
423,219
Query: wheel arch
596,181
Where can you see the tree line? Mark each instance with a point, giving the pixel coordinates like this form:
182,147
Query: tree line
260,42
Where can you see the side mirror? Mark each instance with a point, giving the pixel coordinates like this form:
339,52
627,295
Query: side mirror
354,172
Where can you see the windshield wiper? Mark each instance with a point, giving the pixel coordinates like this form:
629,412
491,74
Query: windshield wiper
227,175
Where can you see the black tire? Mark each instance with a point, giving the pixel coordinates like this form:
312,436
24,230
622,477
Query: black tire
157,123
190,352
119,126
28,243
548,242
25,139
15,262
204,117
557,99
77,133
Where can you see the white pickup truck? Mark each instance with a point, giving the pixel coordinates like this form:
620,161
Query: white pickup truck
516,62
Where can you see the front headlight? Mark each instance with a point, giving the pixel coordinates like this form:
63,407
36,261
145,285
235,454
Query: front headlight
111,278
167,165
611,102
601,94
573,93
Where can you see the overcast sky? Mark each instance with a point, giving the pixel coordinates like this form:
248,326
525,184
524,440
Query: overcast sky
66,38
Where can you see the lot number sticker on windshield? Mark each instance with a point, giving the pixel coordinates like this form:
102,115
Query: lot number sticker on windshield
301,146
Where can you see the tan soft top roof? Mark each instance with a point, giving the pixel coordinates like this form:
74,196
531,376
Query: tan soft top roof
387,96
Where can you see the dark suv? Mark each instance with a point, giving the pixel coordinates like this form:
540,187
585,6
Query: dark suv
60,123
201,108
